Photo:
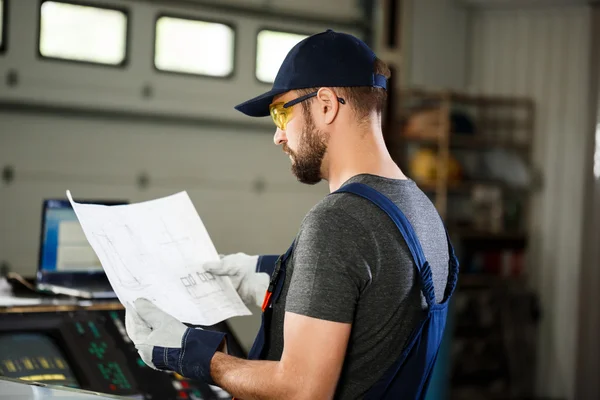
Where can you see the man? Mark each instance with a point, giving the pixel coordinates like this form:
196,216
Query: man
356,307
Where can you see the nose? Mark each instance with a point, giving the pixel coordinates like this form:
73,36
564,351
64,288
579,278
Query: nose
279,137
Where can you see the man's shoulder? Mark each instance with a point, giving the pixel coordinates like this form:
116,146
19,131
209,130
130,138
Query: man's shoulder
332,220
341,208
334,209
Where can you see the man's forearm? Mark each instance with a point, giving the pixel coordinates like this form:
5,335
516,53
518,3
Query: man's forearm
249,379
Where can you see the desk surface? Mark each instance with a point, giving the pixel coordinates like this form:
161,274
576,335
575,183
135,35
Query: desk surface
14,389
9,303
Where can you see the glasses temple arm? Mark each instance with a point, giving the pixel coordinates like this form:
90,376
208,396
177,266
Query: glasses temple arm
306,97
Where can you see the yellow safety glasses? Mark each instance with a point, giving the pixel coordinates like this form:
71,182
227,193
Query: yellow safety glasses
281,113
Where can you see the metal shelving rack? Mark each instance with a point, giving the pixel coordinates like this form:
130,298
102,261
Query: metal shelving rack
499,123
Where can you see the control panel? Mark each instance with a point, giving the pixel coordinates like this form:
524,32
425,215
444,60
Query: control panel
90,350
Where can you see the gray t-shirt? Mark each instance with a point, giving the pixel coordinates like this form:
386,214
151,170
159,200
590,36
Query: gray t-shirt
350,264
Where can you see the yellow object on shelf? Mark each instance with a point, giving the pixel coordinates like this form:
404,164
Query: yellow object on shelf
424,167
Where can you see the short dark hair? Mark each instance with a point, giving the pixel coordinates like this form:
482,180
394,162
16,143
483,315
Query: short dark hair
362,99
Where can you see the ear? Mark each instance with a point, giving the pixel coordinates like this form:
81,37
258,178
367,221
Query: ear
329,106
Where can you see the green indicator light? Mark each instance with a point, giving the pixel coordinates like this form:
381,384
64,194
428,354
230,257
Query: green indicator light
94,330
97,351
79,328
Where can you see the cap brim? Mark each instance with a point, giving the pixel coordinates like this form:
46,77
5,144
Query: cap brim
259,106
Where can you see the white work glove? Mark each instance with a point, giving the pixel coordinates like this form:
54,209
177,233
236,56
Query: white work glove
164,343
241,269
148,326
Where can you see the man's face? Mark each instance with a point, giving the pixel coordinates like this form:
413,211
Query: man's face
303,142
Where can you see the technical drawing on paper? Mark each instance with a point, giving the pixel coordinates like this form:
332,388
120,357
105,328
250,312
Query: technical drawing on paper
155,249
180,245
201,284
117,249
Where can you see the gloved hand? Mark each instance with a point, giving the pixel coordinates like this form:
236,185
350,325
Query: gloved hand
164,343
241,269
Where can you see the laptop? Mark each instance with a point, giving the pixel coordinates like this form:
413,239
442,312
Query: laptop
67,263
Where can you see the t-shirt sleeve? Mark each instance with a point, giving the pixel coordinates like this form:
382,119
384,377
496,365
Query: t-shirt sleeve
330,266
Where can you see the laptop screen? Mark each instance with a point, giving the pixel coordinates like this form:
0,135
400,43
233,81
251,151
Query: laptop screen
66,256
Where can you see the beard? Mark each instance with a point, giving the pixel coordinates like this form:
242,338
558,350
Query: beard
308,159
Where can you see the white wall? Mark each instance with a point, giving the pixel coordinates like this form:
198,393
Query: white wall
435,44
588,363
53,136
545,54
588,356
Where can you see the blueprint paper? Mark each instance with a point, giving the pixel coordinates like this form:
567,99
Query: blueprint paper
156,249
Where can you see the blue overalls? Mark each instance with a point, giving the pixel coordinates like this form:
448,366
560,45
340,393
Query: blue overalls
408,377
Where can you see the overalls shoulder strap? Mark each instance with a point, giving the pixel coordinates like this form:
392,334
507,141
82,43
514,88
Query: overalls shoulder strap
405,228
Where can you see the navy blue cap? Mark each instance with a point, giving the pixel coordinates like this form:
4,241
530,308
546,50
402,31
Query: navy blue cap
329,59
